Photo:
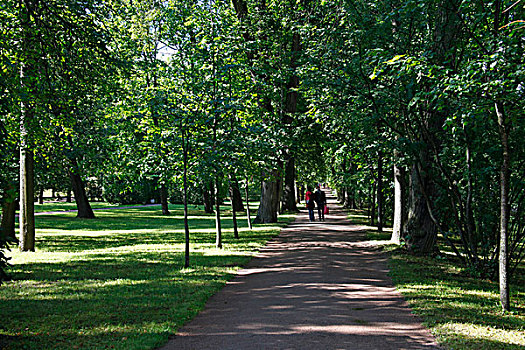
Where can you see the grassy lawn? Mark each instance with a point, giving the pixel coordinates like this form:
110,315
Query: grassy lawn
462,311
63,206
118,281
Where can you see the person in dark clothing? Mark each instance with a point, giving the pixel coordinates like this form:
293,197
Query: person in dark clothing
310,203
320,200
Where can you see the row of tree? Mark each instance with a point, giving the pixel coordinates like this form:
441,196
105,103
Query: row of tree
411,109
427,99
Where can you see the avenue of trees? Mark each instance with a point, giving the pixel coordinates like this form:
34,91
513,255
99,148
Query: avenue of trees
412,110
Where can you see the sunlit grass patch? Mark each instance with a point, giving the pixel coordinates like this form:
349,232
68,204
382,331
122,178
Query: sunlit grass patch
462,311
474,336
64,206
118,280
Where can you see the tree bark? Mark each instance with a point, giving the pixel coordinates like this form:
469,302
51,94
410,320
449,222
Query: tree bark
41,196
504,130
79,189
372,204
380,204
298,193
26,217
269,195
235,194
234,219
207,199
164,200
341,195
185,200
248,214
277,198
399,200
289,201
420,232
218,227
234,185
347,203
8,217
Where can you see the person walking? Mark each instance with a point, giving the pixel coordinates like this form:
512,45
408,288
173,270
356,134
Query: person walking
310,203
320,200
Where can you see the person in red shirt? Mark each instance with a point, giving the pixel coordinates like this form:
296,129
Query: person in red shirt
310,203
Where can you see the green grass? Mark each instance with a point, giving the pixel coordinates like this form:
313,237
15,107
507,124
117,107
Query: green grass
463,312
359,217
63,206
118,281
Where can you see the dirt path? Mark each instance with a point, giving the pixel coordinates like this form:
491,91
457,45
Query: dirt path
317,286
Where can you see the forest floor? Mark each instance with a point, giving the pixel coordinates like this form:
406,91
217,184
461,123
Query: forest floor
318,285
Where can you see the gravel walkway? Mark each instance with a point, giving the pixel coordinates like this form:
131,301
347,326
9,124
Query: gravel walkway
317,286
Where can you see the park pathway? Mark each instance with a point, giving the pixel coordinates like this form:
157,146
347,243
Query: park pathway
317,286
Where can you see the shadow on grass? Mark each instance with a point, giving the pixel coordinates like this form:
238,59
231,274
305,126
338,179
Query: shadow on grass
106,295
444,294
127,227
80,291
110,300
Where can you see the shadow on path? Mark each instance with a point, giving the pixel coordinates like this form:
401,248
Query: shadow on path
318,285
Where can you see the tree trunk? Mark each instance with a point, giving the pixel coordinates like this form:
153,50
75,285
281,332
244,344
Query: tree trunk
164,200
341,195
234,219
248,215
372,204
185,201
207,199
8,217
267,212
380,215
234,185
504,130
420,232
218,228
420,228
302,191
41,196
289,202
27,205
399,201
277,198
298,193
347,191
235,194
83,207
68,196
26,218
